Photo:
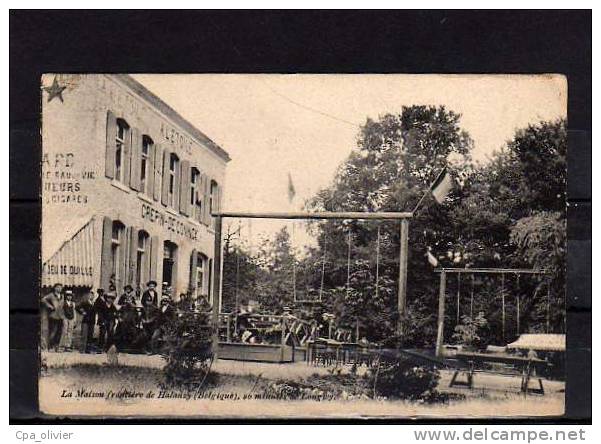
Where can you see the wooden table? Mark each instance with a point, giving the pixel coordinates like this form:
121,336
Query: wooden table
525,364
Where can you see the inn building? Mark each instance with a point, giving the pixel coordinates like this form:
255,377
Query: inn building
128,188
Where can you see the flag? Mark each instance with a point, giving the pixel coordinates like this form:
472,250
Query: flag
442,186
291,190
432,259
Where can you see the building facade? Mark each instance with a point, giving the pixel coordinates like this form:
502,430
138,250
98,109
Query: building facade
128,188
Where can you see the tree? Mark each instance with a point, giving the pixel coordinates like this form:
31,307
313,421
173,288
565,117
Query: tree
396,159
541,241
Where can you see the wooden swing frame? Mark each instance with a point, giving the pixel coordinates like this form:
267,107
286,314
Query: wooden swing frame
443,285
403,217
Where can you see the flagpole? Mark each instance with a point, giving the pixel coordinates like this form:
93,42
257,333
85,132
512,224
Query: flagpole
429,190
420,201
291,195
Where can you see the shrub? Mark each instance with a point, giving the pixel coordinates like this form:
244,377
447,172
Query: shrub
403,379
469,332
187,350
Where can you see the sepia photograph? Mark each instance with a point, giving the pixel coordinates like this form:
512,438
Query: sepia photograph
303,245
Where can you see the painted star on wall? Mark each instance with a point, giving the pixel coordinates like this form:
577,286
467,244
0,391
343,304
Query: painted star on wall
55,90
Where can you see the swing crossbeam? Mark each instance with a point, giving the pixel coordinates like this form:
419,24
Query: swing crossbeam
490,270
316,215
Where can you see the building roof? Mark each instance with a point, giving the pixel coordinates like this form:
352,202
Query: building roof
542,342
202,138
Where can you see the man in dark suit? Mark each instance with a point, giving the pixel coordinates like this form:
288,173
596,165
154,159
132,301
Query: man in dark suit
107,319
150,314
126,333
88,319
151,294
165,314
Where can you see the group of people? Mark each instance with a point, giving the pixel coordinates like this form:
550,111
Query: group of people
131,322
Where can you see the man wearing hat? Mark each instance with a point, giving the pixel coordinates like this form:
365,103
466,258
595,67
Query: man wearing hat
107,318
53,303
128,297
151,294
85,309
126,333
165,315
150,314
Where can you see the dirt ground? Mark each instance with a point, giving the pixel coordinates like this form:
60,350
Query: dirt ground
233,395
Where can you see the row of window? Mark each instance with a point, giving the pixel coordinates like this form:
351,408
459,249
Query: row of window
136,161
133,257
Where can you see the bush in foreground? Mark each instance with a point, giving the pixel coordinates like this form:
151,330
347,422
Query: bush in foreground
403,379
187,350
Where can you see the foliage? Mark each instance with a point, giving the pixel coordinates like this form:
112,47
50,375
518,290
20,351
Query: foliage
469,332
396,159
187,350
403,379
506,212
540,240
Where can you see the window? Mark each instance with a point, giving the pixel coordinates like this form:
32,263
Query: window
173,166
142,256
122,134
201,274
145,164
169,262
195,202
117,251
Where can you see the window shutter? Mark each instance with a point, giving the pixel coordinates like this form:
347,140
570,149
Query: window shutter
218,198
127,157
184,191
136,158
150,171
111,136
155,257
203,194
158,172
207,194
124,260
199,197
133,257
200,217
210,279
145,277
193,265
105,256
165,179
176,185
174,273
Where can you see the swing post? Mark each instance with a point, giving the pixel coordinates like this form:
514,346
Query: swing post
458,298
517,305
216,296
548,305
441,302
403,252
503,306
472,300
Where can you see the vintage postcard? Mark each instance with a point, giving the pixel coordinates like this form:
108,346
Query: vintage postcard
304,246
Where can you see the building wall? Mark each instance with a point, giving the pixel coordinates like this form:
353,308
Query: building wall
76,182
